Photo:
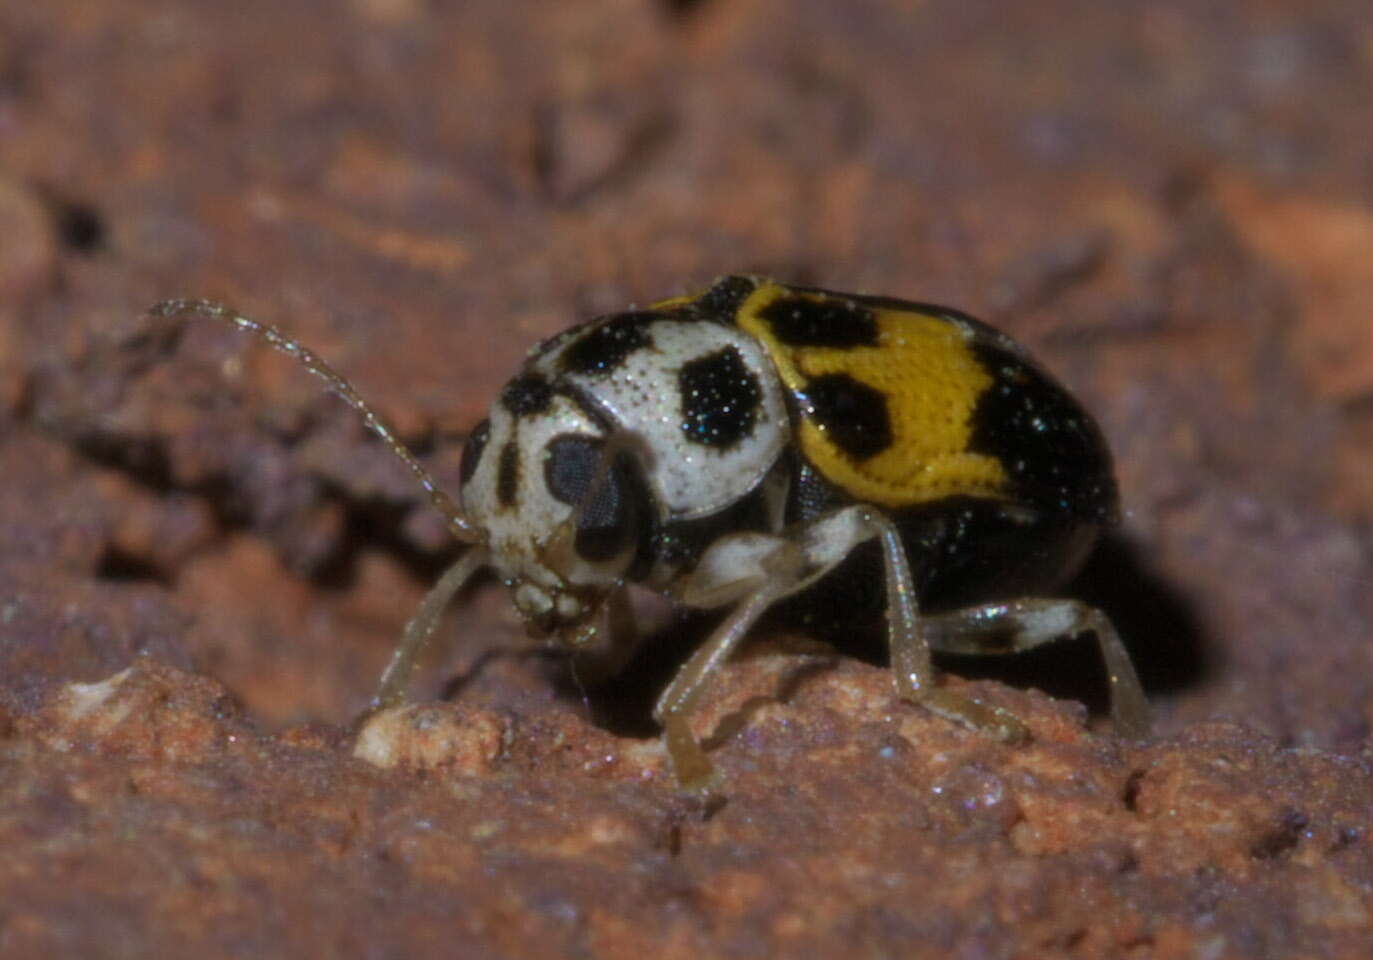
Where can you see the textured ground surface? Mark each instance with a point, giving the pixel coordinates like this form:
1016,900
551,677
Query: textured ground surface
203,563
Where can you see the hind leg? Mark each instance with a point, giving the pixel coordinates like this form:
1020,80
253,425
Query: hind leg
1015,625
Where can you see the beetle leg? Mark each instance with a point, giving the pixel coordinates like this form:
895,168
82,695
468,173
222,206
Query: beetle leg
755,570
908,639
1016,625
395,679
689,762
752,571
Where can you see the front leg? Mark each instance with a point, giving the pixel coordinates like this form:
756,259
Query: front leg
419,631
752,571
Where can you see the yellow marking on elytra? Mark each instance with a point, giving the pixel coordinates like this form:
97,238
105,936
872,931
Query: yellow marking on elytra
923,366
672,302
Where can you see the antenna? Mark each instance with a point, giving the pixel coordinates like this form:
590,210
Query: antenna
463,529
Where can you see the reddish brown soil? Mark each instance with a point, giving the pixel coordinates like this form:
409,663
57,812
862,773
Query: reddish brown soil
204,562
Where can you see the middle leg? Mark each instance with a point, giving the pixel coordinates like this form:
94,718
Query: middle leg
909,643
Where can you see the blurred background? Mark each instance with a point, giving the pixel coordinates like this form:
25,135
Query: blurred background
1169,202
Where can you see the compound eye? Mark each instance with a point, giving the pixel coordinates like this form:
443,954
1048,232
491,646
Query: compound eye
610,516
472,450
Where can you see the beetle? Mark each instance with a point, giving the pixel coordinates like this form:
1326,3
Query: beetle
762,444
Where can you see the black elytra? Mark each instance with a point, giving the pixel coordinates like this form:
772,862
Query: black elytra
805,322
1052,450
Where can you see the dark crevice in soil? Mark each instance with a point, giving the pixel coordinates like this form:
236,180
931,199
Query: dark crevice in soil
80,227
683,9
116,565
1129,796
375,524
1282,838
623,705
368,523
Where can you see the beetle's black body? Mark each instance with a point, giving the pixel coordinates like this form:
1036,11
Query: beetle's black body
965,549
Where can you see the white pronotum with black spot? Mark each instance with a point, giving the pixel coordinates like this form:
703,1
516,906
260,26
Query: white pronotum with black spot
697,414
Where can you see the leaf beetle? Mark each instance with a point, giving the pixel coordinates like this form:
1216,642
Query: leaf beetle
761,443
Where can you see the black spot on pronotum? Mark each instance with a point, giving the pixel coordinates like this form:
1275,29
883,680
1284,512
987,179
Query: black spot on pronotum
720,398
527,394
472,450
605,346
852,414
611,510
508,474
827,322
722,301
